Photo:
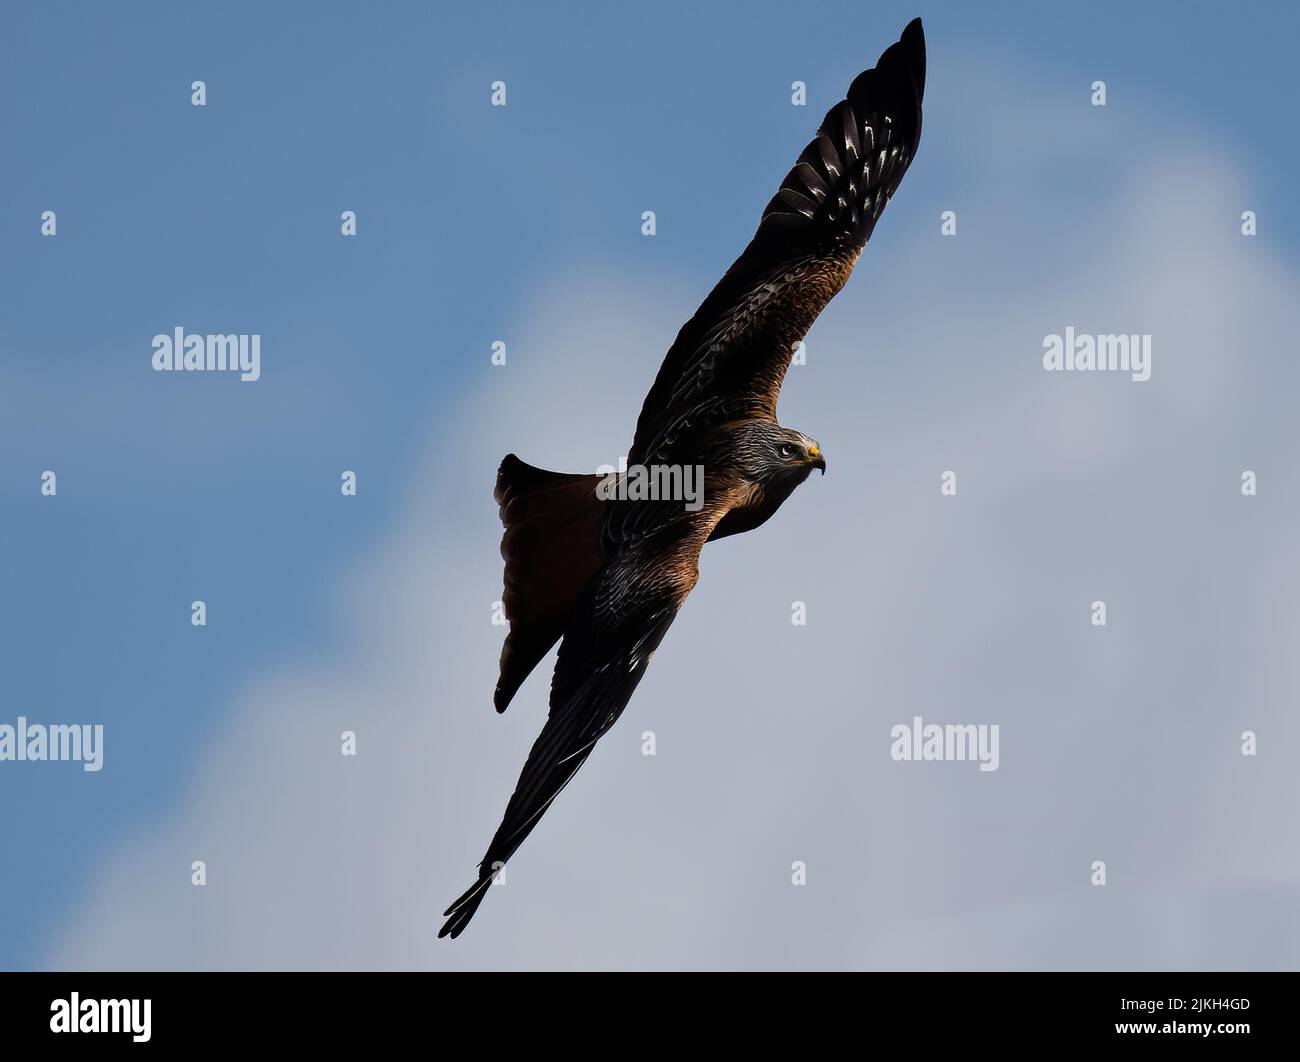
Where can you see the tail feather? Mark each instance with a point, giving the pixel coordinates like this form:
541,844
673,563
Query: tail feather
551,547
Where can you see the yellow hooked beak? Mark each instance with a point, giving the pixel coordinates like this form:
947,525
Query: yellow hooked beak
816,459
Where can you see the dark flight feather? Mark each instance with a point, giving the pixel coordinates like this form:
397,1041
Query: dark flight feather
618,625
729,360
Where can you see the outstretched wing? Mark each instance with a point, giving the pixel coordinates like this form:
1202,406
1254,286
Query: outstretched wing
729,360
619,622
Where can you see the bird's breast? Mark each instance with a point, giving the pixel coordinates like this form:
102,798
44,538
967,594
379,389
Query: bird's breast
748,506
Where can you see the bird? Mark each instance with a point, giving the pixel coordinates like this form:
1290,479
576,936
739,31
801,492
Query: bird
605,577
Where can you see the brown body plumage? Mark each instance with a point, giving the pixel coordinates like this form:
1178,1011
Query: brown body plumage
608,576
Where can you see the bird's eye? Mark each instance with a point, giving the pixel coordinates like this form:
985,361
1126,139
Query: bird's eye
786,450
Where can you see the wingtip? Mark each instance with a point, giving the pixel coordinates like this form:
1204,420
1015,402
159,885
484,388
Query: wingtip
458,915
899,78
911,42
913,38
457,920
902,62
452,928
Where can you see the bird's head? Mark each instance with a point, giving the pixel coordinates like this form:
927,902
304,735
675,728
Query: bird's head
774,454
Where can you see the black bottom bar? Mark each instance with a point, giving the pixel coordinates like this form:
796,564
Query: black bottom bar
1232,1011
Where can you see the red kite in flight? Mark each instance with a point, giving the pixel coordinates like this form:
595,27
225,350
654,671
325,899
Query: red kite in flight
608,575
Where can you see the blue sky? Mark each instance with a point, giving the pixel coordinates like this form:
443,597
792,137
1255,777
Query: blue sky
226,218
